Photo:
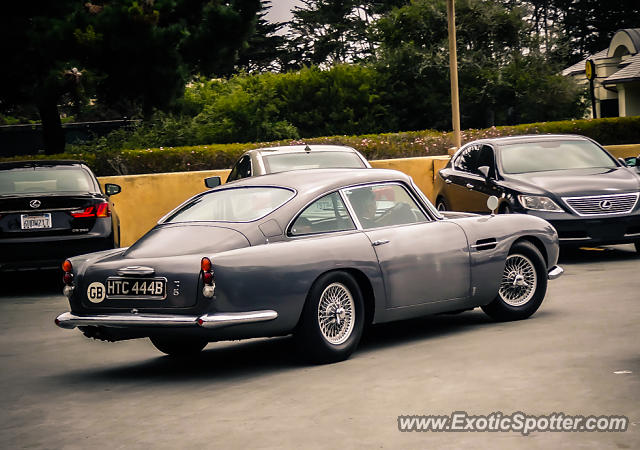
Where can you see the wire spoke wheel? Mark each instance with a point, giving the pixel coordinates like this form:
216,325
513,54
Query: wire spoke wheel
519,280
336,310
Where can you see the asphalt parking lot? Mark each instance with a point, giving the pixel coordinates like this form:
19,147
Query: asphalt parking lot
61,390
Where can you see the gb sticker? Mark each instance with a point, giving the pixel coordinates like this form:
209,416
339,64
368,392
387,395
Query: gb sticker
96,292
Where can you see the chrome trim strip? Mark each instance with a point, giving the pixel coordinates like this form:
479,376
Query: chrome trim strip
631,235
136,271
585,238
46,210
555,272
487,246
69,320
492,243
227,319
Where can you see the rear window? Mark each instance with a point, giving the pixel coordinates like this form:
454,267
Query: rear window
233,205
280,162
44,180
553,155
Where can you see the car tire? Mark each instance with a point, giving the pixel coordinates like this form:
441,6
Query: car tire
441,204
332,319
178,346
523,284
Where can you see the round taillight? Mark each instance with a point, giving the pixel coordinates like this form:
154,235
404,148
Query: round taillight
207,278
205,264
66,266
67,278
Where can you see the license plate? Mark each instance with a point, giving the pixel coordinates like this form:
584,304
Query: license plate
35,221
136,288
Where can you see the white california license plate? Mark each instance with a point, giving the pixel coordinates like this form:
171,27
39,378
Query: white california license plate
35,221
136,288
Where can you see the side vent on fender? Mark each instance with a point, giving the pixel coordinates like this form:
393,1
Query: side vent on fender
485,244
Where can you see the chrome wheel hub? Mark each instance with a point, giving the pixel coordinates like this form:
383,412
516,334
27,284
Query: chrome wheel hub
519,280
336,313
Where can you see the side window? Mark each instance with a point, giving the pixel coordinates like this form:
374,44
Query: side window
384,205
242,169
467,161
486,158
322,216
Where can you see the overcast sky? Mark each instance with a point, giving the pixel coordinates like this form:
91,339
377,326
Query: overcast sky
281,10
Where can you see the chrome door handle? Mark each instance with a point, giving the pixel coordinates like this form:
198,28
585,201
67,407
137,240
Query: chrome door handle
380,242
469,186
448,181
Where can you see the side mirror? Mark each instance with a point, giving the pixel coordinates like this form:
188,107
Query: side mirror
631,162
623,161
484,171
112,189
492,204
212,182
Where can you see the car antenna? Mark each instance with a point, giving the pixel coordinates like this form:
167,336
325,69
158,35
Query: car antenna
307,148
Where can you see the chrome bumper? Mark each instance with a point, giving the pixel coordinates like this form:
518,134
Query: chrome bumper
69,320
555,272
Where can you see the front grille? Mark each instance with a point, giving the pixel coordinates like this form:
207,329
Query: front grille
602,204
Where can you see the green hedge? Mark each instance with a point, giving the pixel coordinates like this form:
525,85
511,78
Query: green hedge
610,131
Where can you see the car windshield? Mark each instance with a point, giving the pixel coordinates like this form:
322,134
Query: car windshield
280,162
45,180
553,155
233,205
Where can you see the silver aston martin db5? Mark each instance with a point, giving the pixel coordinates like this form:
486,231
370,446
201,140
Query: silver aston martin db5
314,253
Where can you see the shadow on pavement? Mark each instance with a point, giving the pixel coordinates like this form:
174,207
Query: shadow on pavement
584,255
260,356
32,282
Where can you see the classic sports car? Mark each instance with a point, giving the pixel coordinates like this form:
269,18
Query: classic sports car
316,253
50,210
261,161
571,181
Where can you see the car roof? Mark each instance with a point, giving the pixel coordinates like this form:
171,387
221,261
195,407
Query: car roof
306,180
529,138
39,163
302,149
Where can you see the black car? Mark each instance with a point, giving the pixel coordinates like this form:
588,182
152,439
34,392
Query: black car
51,210
589,196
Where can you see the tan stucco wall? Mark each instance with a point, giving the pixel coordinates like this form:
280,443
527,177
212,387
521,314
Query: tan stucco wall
146,198
624,151
420,169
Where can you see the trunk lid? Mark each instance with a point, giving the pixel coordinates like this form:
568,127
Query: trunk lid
167,256
43,215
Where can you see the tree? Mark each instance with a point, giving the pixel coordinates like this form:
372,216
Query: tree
494,50
578,27
328,32
128,54
265,47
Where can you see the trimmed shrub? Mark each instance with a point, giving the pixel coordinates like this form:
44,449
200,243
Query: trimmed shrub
103,161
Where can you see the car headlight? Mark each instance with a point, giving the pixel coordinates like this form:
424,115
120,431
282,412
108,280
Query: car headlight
538,203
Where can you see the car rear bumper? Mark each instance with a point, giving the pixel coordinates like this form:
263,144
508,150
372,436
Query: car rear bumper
23,254
70,320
